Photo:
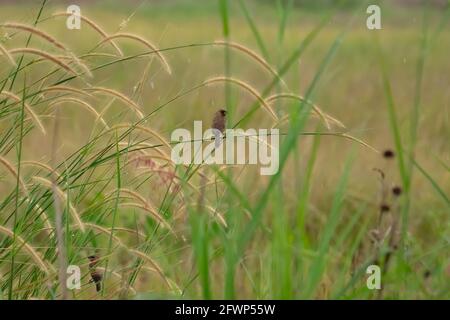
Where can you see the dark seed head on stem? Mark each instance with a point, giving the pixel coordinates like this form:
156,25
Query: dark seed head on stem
397,191
388,154
385,207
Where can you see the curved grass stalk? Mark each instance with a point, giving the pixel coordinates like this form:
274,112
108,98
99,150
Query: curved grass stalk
213,213
324,116
94,26
45,219
6,53
46,56
40,165
158,269
144,42
131,231
83,104
48,269
144,129
248,88
174,176
61,88
152,212
343,135
28,109
63,196
35,31
121,96
251,54
13,171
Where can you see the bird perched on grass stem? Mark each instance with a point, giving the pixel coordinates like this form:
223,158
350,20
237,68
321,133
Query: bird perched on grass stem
219,123
95,275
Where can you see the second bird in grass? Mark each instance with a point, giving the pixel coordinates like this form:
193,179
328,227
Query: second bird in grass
95,275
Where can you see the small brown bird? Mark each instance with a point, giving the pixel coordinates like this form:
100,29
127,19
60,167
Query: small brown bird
93,261
95,275
219,123
219,120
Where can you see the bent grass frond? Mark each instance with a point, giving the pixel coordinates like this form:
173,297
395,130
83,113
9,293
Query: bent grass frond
46,56
325,117
48,226
48,184
144,42
144,129
152,212
61,88
28,109
83,104
248,88
6,53
40,165
48,269
121,96
35,31
13,171
252,54
94,26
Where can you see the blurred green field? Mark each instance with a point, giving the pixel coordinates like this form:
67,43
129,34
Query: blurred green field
315,235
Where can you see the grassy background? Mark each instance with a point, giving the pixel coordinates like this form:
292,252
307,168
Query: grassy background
305,233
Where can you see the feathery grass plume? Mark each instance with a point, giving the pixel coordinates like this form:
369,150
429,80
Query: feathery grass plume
13,171
252,54
121,96
343,135
247,87
145,156
82,103
46,56
215,214
131,231
147,146
152,212
324,116
135,195
158,269
152,170
63,196
144,42
45,219
28,109
6,53
40,165
82,65
212,211
162,155
35,31
144,129
104,230
98,54
48,269
172,285
117,275
95,26
61,88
